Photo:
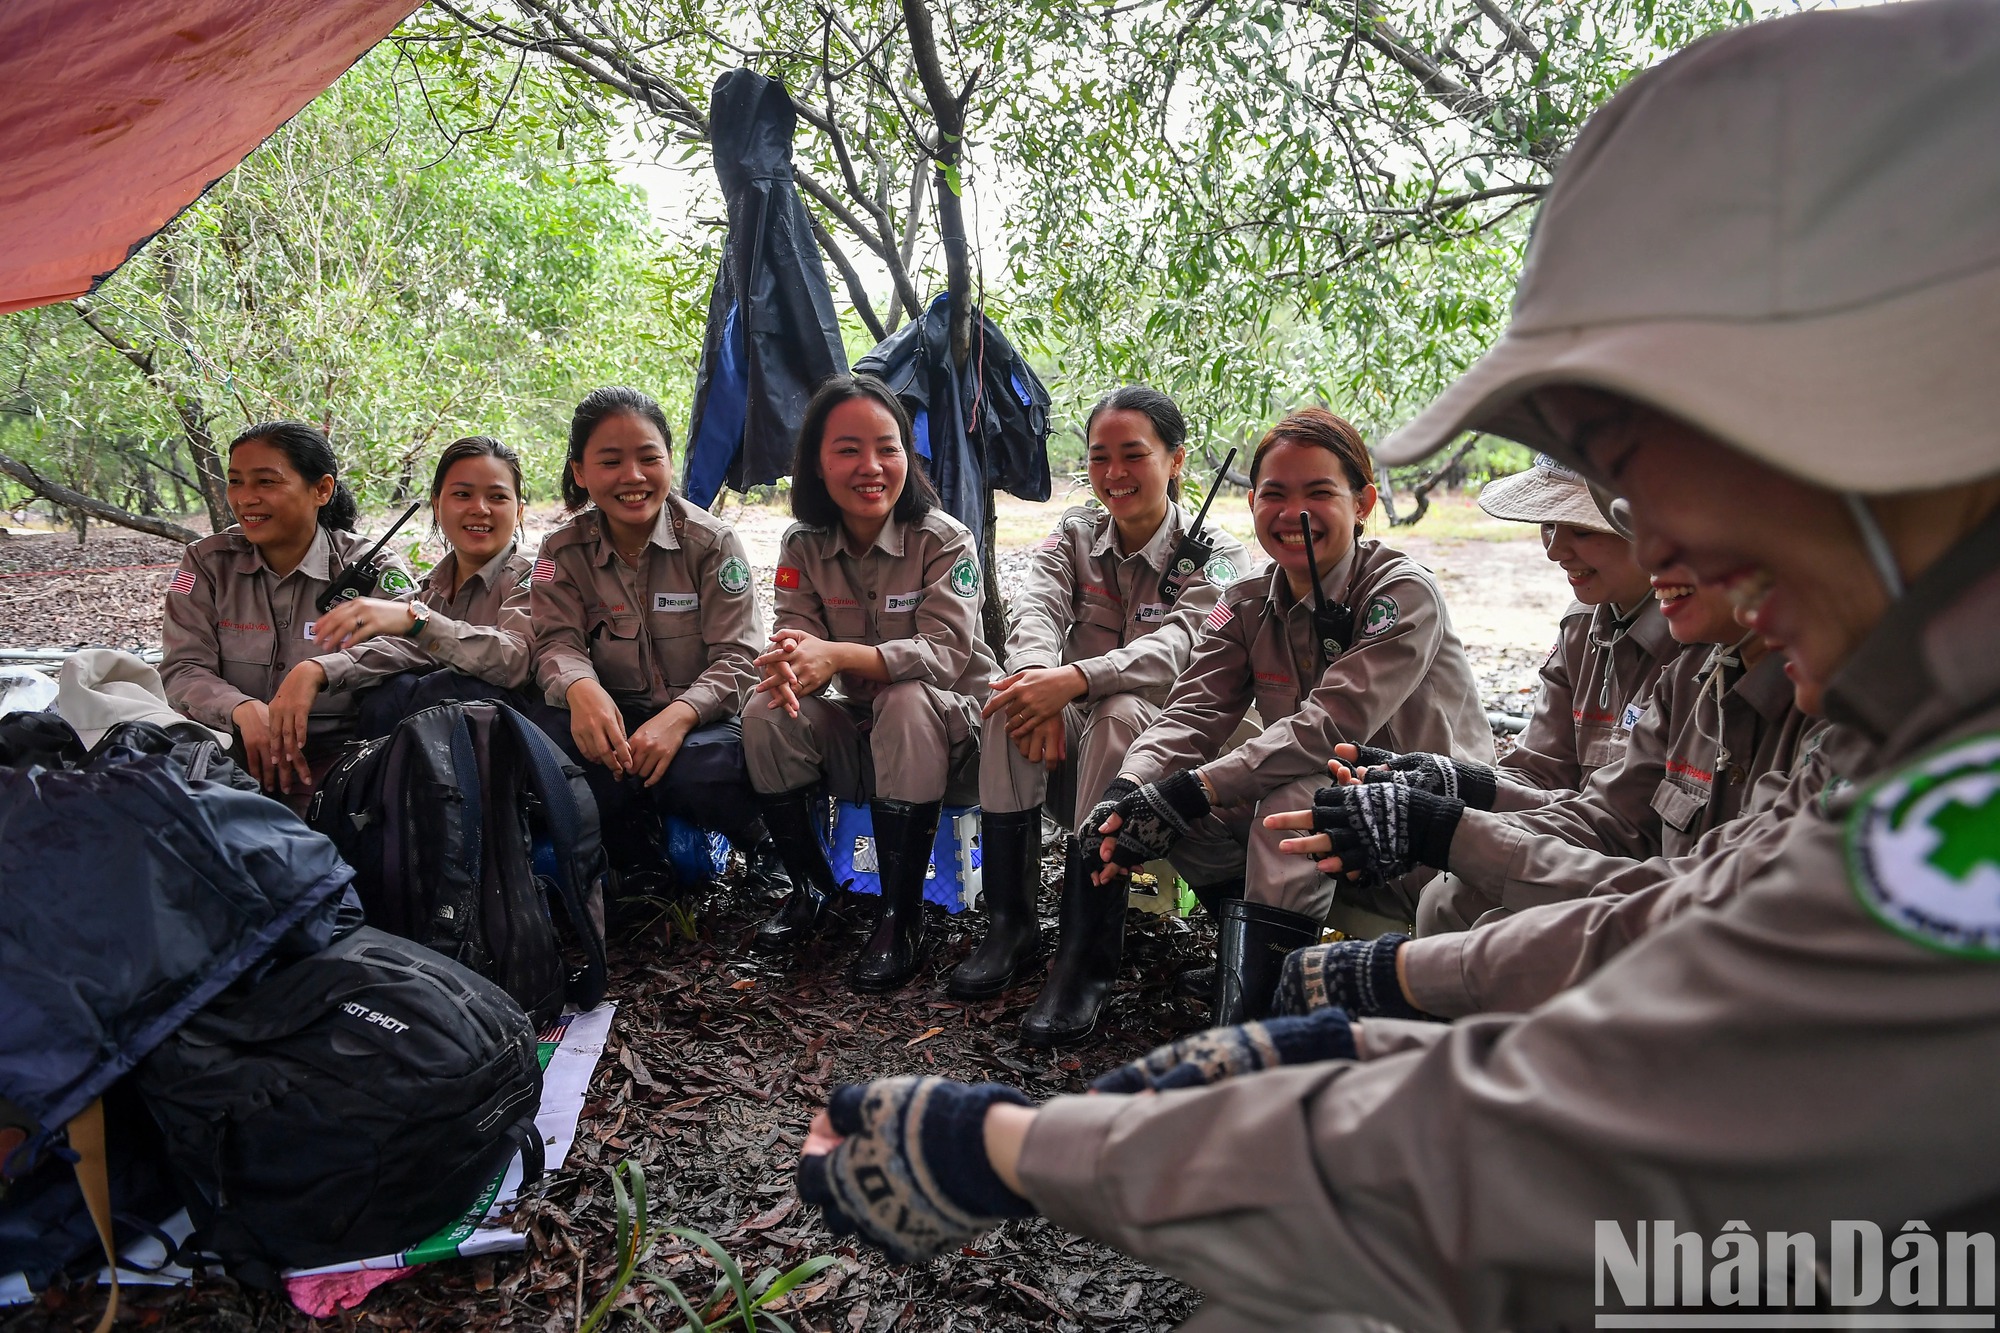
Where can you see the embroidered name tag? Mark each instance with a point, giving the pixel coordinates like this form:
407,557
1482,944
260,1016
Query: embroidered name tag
1152,612
901,601
1633,712
676,601
309,627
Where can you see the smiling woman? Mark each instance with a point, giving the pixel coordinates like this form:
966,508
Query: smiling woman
644,633
875,672
238,644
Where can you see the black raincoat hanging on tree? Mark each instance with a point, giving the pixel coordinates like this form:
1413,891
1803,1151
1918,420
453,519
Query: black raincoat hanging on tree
984,426
772,334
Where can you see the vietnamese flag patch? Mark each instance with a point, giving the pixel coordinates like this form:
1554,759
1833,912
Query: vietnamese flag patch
787,577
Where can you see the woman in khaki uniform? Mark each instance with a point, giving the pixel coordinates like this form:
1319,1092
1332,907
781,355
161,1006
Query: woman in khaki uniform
237,647
645,631
1099,635
1385,665
1609,651
1817,1057
878,592
462,633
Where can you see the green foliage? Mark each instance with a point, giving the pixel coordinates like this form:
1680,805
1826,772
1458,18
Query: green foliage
732,1302
385,266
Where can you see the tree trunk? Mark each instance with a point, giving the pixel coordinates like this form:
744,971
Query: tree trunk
83,508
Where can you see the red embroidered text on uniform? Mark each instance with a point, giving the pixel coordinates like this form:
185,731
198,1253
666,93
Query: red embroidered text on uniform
545,570
786,577
1219,617
183,583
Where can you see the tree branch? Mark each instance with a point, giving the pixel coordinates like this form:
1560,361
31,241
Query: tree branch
857,292
1514,37
77,502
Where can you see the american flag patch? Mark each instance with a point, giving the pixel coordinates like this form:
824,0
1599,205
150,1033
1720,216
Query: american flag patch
786,577
183,583
544,571
1219,617
1051,542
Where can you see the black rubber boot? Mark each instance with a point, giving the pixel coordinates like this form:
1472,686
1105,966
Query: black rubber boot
762,865
1255,940
1091,942
1010,848
904,832
1198,983
792,822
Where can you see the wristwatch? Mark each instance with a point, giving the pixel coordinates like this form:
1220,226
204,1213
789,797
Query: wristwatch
420,616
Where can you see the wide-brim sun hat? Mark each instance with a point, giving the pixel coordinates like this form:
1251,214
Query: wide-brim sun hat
1548,492
1787,236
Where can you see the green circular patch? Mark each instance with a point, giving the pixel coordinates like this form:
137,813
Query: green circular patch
1220,569
734,576
1923,849
395,580
1379,616
965,577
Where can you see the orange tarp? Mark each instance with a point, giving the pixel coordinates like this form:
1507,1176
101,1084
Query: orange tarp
116,114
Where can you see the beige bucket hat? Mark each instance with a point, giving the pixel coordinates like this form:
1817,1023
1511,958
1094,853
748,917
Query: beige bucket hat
1787,235
1548,492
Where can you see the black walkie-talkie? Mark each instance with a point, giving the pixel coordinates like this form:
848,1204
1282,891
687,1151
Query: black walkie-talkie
1333,622
363,574
1192,555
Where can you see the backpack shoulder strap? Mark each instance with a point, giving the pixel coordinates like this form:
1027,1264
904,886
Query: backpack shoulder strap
567,830
93,1177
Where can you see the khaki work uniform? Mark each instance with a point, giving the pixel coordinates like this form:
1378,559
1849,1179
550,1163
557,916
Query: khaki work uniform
1711,731
479,628
1786,1059
234,630
1518,960
680,627
1085,603
915,594
1403,683
1595,686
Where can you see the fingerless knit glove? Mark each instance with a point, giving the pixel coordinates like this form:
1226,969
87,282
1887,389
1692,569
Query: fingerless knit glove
1386,829
1440,775
911,1176
1220,1053
1358,976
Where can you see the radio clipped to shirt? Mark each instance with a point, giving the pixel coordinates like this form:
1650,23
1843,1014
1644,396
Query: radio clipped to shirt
359,578
1192,554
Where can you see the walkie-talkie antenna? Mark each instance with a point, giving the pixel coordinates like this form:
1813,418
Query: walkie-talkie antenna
1312,561
1201,519
1194,550
394,528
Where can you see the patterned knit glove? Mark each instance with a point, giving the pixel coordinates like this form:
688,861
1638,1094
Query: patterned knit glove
911,1174
1474,784
1220,1053
1385,829
1156,816
1358,976
1092,828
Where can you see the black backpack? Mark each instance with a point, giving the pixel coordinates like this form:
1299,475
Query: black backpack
439,818
346,1106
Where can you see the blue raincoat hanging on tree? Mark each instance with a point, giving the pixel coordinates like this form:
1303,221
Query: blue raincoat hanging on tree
772,333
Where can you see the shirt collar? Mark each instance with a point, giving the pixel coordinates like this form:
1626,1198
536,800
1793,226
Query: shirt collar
889,540
1333,583
317,563
662,536
1159,547
488,574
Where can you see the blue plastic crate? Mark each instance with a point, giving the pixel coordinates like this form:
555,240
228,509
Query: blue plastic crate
953,879
697,855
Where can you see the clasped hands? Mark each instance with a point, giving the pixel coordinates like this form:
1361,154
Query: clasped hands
1033,700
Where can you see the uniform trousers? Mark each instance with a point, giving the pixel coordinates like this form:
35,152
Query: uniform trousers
707,784
1097,735
911,742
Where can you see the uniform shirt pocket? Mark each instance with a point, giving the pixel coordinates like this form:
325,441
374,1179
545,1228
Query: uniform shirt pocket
619,655
1100,627
846,624
683,652
1677,804
1600,746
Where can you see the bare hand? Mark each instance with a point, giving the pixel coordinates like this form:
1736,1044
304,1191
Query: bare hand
804,663
362,619
655,744
287,718
1046,743
252,720
598,728
1033,695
